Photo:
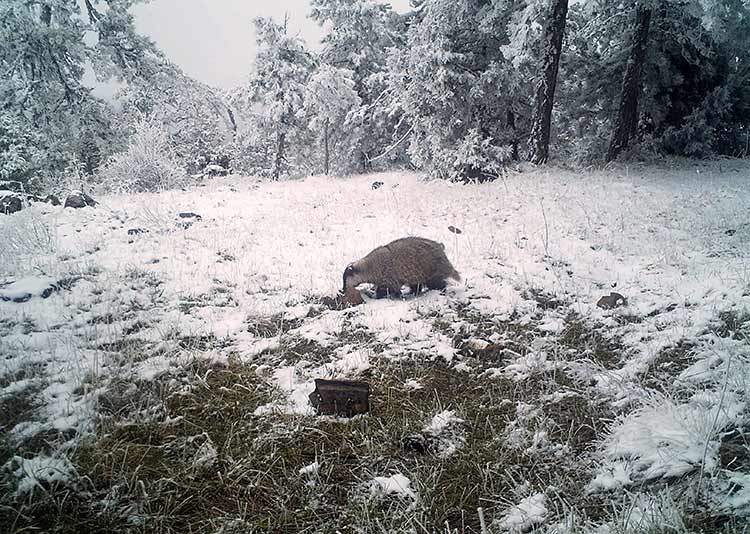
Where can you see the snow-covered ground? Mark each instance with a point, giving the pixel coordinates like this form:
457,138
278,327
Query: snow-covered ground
105,288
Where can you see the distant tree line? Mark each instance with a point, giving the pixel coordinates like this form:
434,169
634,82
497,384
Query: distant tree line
456,88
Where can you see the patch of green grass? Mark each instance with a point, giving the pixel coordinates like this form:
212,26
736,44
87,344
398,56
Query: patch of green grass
589,342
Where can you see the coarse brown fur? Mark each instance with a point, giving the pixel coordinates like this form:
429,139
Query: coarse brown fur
412,261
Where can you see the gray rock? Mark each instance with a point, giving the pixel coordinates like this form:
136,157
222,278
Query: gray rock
10,202
78,199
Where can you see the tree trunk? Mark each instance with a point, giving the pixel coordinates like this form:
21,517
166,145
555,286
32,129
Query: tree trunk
626,126
279,155
46,15
545,89
510,120
325,141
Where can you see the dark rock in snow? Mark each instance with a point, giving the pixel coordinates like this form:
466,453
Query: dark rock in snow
613,300
420,444
454,230
136,231
79,199
51,199
376,185
27,288
189,215
730,232
215,170
10,202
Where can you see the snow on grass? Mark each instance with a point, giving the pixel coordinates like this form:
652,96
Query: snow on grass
666,439
673,241
25,288
529,512
446,431
40,473
396,485
310,469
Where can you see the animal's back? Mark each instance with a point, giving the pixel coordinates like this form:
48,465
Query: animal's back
415,260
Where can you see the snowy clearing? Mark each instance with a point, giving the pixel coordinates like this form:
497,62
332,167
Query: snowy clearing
662,381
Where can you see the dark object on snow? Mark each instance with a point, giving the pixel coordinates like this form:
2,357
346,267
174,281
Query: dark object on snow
613,300
51,199
454,230
351,297
10,294
189,215
136,231
730,232
10,203
410,261
79,199
420,444
345,398
377,185
214,170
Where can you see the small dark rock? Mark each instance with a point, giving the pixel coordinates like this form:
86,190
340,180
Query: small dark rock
136,231
215,170
51,199
419,444
79,199
613,300
454,230
377,185
10,203
730,232
184,225
189,215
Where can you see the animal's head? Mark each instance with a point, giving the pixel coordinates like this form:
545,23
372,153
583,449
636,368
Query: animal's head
351,277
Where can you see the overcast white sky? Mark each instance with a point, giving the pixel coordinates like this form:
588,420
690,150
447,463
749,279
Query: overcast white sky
214,40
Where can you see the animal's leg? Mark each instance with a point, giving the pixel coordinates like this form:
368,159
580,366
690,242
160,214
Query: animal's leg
381,292
437,283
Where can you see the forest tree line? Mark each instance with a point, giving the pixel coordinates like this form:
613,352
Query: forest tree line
455,88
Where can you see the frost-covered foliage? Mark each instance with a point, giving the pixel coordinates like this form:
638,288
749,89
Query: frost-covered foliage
148,164
196,117
275,95
330,99
696,79
20,154
456,89
44,48
361,34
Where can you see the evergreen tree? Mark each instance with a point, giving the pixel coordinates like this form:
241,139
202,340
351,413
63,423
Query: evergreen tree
43,55
545,89
277,87
362,34
329,99
458,88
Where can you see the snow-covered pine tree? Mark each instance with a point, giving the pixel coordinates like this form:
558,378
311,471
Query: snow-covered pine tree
330,98
458,88
626,124
43,56
277,87
361,35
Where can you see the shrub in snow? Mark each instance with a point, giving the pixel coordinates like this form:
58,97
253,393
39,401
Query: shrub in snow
19,155
40,472
23,235
148,164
